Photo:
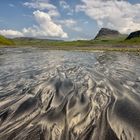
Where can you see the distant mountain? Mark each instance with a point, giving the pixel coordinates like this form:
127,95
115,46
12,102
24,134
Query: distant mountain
105,32
30,41
33,39
5,41
133,35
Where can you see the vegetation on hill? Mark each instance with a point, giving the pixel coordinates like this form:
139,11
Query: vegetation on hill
33,41
133,41
102,44
5,41
116,42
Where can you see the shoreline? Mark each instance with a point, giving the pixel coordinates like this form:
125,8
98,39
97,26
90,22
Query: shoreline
89,48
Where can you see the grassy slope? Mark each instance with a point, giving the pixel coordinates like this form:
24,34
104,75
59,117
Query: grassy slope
79,43
104,43
101,42
135,41
32,41
5,41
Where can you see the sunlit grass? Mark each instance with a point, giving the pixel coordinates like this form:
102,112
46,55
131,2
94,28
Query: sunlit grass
5,41
101,44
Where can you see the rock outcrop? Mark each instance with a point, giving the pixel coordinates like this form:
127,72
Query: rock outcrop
133,35
106,32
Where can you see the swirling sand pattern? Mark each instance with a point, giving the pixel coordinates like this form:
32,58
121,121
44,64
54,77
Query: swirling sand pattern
58,95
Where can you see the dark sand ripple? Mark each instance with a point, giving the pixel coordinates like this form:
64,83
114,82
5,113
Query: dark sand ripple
58,95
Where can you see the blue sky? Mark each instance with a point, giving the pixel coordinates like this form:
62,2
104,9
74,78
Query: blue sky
67,19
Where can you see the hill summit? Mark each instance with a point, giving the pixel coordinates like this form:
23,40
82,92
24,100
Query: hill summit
105,32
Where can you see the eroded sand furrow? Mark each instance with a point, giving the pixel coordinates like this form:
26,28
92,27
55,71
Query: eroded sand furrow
68,98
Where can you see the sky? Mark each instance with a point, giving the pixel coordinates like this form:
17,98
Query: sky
67,19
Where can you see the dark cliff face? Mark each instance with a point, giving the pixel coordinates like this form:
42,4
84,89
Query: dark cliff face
107,32
133,35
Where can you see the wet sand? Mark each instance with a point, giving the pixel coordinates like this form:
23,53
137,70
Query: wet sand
60,95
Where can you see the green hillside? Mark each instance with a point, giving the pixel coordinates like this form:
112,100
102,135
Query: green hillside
107,43
27,41
102,41
5,41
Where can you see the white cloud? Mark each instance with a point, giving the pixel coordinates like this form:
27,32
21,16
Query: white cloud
64,4
40,5
71,24
120,15
68,22
11,33
78,38
43,5
45,28
54,13
66,7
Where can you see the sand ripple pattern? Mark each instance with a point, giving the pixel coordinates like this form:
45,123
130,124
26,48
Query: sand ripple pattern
59,95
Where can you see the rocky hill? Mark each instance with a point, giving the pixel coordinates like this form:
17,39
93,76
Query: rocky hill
133,35
105,32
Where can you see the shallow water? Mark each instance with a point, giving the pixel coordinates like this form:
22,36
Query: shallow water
60,95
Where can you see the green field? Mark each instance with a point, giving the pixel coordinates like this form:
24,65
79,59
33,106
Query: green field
105,43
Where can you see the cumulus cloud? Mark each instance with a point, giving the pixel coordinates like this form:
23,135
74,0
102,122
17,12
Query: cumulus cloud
120,15
71,24
45,28
11,33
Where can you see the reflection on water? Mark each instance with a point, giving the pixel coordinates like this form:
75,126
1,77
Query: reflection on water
59,95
